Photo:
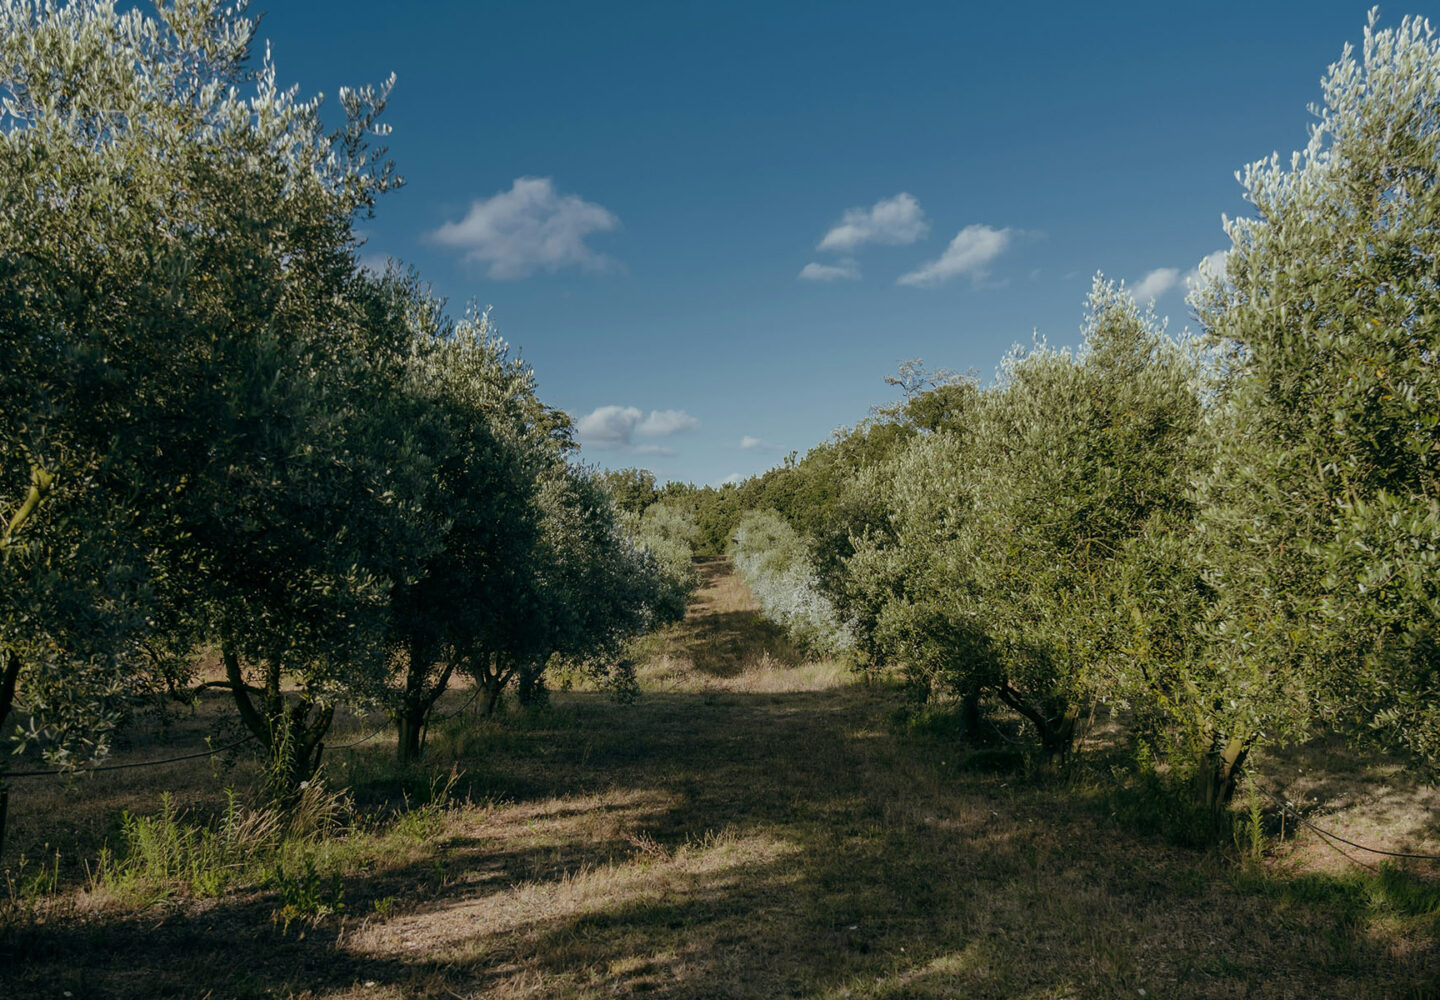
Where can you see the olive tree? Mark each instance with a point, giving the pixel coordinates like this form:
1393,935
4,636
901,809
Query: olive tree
996,567
487,441
633,490
668,534
1322,519
585,589
176,251
774,561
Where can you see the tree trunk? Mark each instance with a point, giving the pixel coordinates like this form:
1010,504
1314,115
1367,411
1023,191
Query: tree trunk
1058,736
1220,773
412,718
304,739
411,723
493,686
492,674
970,712
530,686
291,737
8,681
1055,728
41,482
240,691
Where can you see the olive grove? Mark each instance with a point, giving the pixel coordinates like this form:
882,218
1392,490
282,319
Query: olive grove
1231,540
218,431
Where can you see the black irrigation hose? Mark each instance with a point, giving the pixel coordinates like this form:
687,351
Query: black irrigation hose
364,739
5,776
1289,808
120,767
461,710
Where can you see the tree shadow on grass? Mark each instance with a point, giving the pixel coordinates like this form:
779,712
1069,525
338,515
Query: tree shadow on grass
723,633
755,845
725,644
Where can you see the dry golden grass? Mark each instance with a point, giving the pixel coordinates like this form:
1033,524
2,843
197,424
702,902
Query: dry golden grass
1370,799
753,827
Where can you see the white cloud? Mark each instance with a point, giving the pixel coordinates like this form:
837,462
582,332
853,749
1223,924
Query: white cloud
849,269
530,228
970,253
893,221
1154,285
662,423
751,443
617,427
608,426
1212,266
1161,280
734,479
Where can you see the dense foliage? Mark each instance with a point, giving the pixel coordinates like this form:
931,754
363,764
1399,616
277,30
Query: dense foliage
217,430
1324,509
773,560
1232,545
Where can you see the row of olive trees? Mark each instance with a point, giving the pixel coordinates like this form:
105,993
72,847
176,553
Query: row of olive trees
998,564
773,560
215,429
1237,539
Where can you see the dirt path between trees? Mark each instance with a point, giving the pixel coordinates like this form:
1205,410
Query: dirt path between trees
755,826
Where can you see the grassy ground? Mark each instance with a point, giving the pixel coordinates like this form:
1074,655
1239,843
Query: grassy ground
755,826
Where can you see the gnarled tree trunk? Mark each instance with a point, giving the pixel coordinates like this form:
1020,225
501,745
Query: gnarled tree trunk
9,678
412,717
292,733
1220,772
1055,726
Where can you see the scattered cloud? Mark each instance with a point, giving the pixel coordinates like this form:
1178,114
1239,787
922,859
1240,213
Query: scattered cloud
608,427
734,479
751,443
530,228
849,269
662,423
1163,280
1212,266
969,253
896,221
658,450
1155,284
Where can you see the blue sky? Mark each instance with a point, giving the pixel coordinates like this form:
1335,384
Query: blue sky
714,228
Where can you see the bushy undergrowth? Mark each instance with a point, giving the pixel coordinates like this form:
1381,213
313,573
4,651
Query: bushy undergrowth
171,851
161,853
1165,805
300,853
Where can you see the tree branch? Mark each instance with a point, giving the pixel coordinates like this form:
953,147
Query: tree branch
236,682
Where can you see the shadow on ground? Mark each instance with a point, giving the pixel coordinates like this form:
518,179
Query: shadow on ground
720,639
719,843
750,845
